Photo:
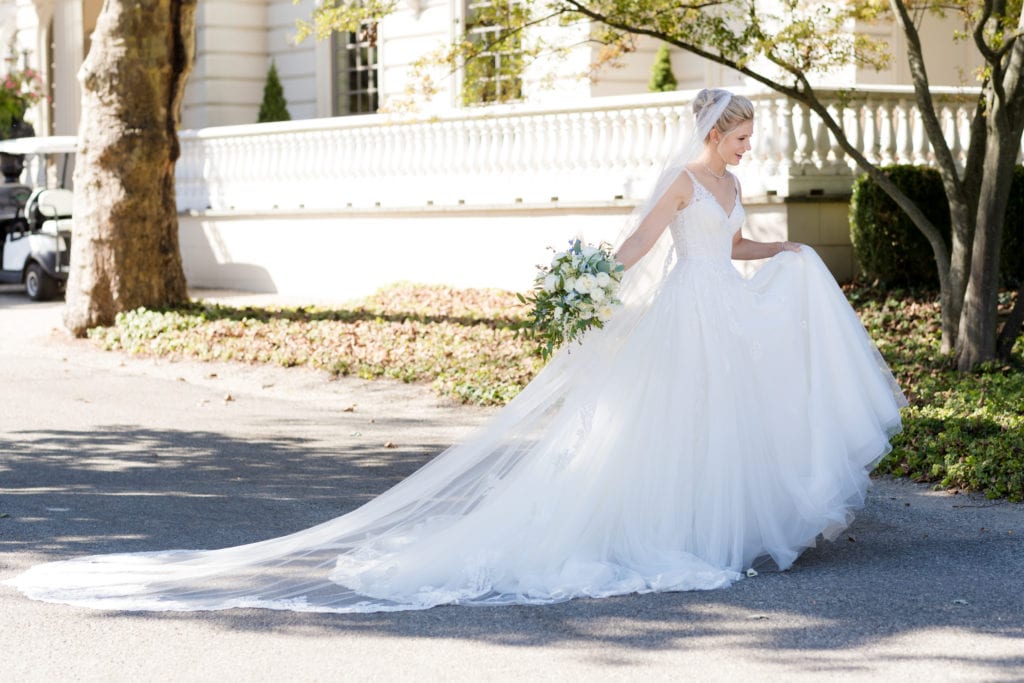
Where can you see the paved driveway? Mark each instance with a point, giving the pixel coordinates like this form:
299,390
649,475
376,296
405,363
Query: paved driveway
100,452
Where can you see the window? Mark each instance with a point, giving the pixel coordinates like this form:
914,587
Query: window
355,71
494,70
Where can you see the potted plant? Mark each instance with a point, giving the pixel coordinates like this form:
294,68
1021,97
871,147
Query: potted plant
19,90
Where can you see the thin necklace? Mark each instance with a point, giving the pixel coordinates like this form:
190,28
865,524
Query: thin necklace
713,174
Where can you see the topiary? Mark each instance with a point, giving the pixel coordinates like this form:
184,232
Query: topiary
662,78
891,249
273,107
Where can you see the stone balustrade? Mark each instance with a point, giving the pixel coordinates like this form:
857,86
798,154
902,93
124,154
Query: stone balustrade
598,153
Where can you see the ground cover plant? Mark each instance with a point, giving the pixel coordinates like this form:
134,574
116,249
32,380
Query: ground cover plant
464,342
962,431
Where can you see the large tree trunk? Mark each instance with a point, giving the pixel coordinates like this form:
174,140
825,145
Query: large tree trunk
125,250
976,341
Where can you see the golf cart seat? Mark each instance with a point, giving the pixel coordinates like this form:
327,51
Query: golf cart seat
51,205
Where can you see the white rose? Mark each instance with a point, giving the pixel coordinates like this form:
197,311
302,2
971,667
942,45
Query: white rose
604,313
603,279
585,283
551,282
557,313
570,284
588,251
586,315
597,295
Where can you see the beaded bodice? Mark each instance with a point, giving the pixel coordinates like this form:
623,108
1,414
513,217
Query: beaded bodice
704,228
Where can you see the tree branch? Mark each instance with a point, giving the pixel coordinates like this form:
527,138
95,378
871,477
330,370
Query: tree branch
1014,69
689,47
926,105
979,34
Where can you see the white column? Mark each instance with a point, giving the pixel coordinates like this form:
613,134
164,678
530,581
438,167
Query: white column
67,58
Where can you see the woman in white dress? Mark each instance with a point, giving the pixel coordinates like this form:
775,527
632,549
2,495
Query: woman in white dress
716,423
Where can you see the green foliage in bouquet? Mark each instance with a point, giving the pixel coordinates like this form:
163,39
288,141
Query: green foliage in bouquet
572,295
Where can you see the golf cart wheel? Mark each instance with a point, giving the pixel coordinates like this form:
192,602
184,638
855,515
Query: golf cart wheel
39,285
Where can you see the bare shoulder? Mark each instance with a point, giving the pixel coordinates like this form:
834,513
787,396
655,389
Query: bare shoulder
739,186
681,190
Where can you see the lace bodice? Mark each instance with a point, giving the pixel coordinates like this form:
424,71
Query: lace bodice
703,229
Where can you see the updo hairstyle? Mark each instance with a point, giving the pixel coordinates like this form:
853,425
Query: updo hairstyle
738,110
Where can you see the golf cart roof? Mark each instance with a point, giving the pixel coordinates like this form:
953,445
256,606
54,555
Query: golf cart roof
54,144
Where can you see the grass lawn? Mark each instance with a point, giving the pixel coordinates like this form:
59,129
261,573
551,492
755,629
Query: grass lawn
964,432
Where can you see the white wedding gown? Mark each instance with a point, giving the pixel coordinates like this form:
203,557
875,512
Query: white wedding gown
734,425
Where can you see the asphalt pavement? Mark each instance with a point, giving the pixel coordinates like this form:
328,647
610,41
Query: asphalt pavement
102,452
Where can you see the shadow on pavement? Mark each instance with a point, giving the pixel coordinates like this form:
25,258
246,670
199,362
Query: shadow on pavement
909,563
127,488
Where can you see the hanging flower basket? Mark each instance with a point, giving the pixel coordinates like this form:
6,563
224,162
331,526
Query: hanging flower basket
19,90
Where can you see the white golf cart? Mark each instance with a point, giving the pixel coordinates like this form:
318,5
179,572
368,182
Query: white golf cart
35,224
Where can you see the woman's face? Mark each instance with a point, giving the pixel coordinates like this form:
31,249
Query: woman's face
733,146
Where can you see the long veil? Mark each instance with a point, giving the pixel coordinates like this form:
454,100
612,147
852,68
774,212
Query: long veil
341,565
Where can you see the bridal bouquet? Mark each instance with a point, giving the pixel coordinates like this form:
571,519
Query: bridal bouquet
575,293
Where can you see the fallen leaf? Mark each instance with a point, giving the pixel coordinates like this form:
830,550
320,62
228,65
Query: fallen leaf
757,616
851,539
349,409
4,515
390,444
228,397
959,601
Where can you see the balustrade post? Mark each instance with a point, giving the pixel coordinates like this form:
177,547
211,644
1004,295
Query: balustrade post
854,133
631,140
870,119
920,139
784,119
952,134
768,139
821,144
885,137
904,152
805,140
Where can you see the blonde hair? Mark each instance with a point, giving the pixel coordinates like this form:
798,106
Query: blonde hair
738,110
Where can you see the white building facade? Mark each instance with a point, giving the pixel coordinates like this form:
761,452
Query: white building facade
344,199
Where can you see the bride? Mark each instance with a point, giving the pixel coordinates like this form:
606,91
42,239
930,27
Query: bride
716,423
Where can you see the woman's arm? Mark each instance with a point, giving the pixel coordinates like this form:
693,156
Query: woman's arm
749,250
647,233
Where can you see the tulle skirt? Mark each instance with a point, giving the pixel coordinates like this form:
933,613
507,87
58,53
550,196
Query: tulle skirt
734,426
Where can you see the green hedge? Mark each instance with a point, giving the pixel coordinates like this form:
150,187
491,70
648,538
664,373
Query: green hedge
892,250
